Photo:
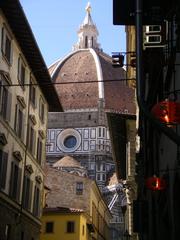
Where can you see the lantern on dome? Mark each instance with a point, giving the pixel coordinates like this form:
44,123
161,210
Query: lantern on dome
155,183
167,112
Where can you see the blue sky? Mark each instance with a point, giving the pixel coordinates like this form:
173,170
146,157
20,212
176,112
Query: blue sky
55,24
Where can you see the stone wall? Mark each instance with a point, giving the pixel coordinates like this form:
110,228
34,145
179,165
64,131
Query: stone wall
63,190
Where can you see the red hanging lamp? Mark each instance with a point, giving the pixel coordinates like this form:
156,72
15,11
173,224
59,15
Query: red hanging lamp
167,112
155,183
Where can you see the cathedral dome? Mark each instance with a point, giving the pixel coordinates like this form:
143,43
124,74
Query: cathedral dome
86,76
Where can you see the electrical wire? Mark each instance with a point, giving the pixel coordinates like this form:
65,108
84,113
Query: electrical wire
65,83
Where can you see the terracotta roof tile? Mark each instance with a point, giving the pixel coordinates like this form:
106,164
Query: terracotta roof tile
81,67
67,161
62,210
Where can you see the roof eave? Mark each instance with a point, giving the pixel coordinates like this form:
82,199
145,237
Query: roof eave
21,29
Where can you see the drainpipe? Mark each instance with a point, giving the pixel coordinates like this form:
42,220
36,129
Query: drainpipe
139,79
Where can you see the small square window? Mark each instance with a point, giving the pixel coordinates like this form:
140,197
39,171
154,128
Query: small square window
79,188
70,227
49,227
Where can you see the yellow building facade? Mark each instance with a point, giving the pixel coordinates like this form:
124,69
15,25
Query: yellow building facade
87,202
64,223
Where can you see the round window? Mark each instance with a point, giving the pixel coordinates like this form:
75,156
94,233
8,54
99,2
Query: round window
70,142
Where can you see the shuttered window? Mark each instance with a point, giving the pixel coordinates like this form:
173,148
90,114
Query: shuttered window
41,110
5,99
70,227
36,203
6,45
32,93
19,122
31,139
27,192
3,168
79,188
21,71
15,181
49,227
39,150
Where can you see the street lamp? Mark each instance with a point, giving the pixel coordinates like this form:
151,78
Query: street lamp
127,235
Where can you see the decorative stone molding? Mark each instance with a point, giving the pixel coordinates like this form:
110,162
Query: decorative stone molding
29,168
6,76
70,132
42,134
130,191
21,101
3,139
33,119
17,155
38,179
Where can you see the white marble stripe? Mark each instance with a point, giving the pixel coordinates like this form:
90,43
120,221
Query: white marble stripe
99,73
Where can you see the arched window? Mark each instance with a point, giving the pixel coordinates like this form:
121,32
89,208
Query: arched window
86,41
92,42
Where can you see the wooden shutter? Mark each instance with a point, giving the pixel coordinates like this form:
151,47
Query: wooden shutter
30,195
34,142
15,119
24,191
4,169
19,69
23,126
11,52
34,202
19,185
2,41
11,179
8,110
1,90
1,165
